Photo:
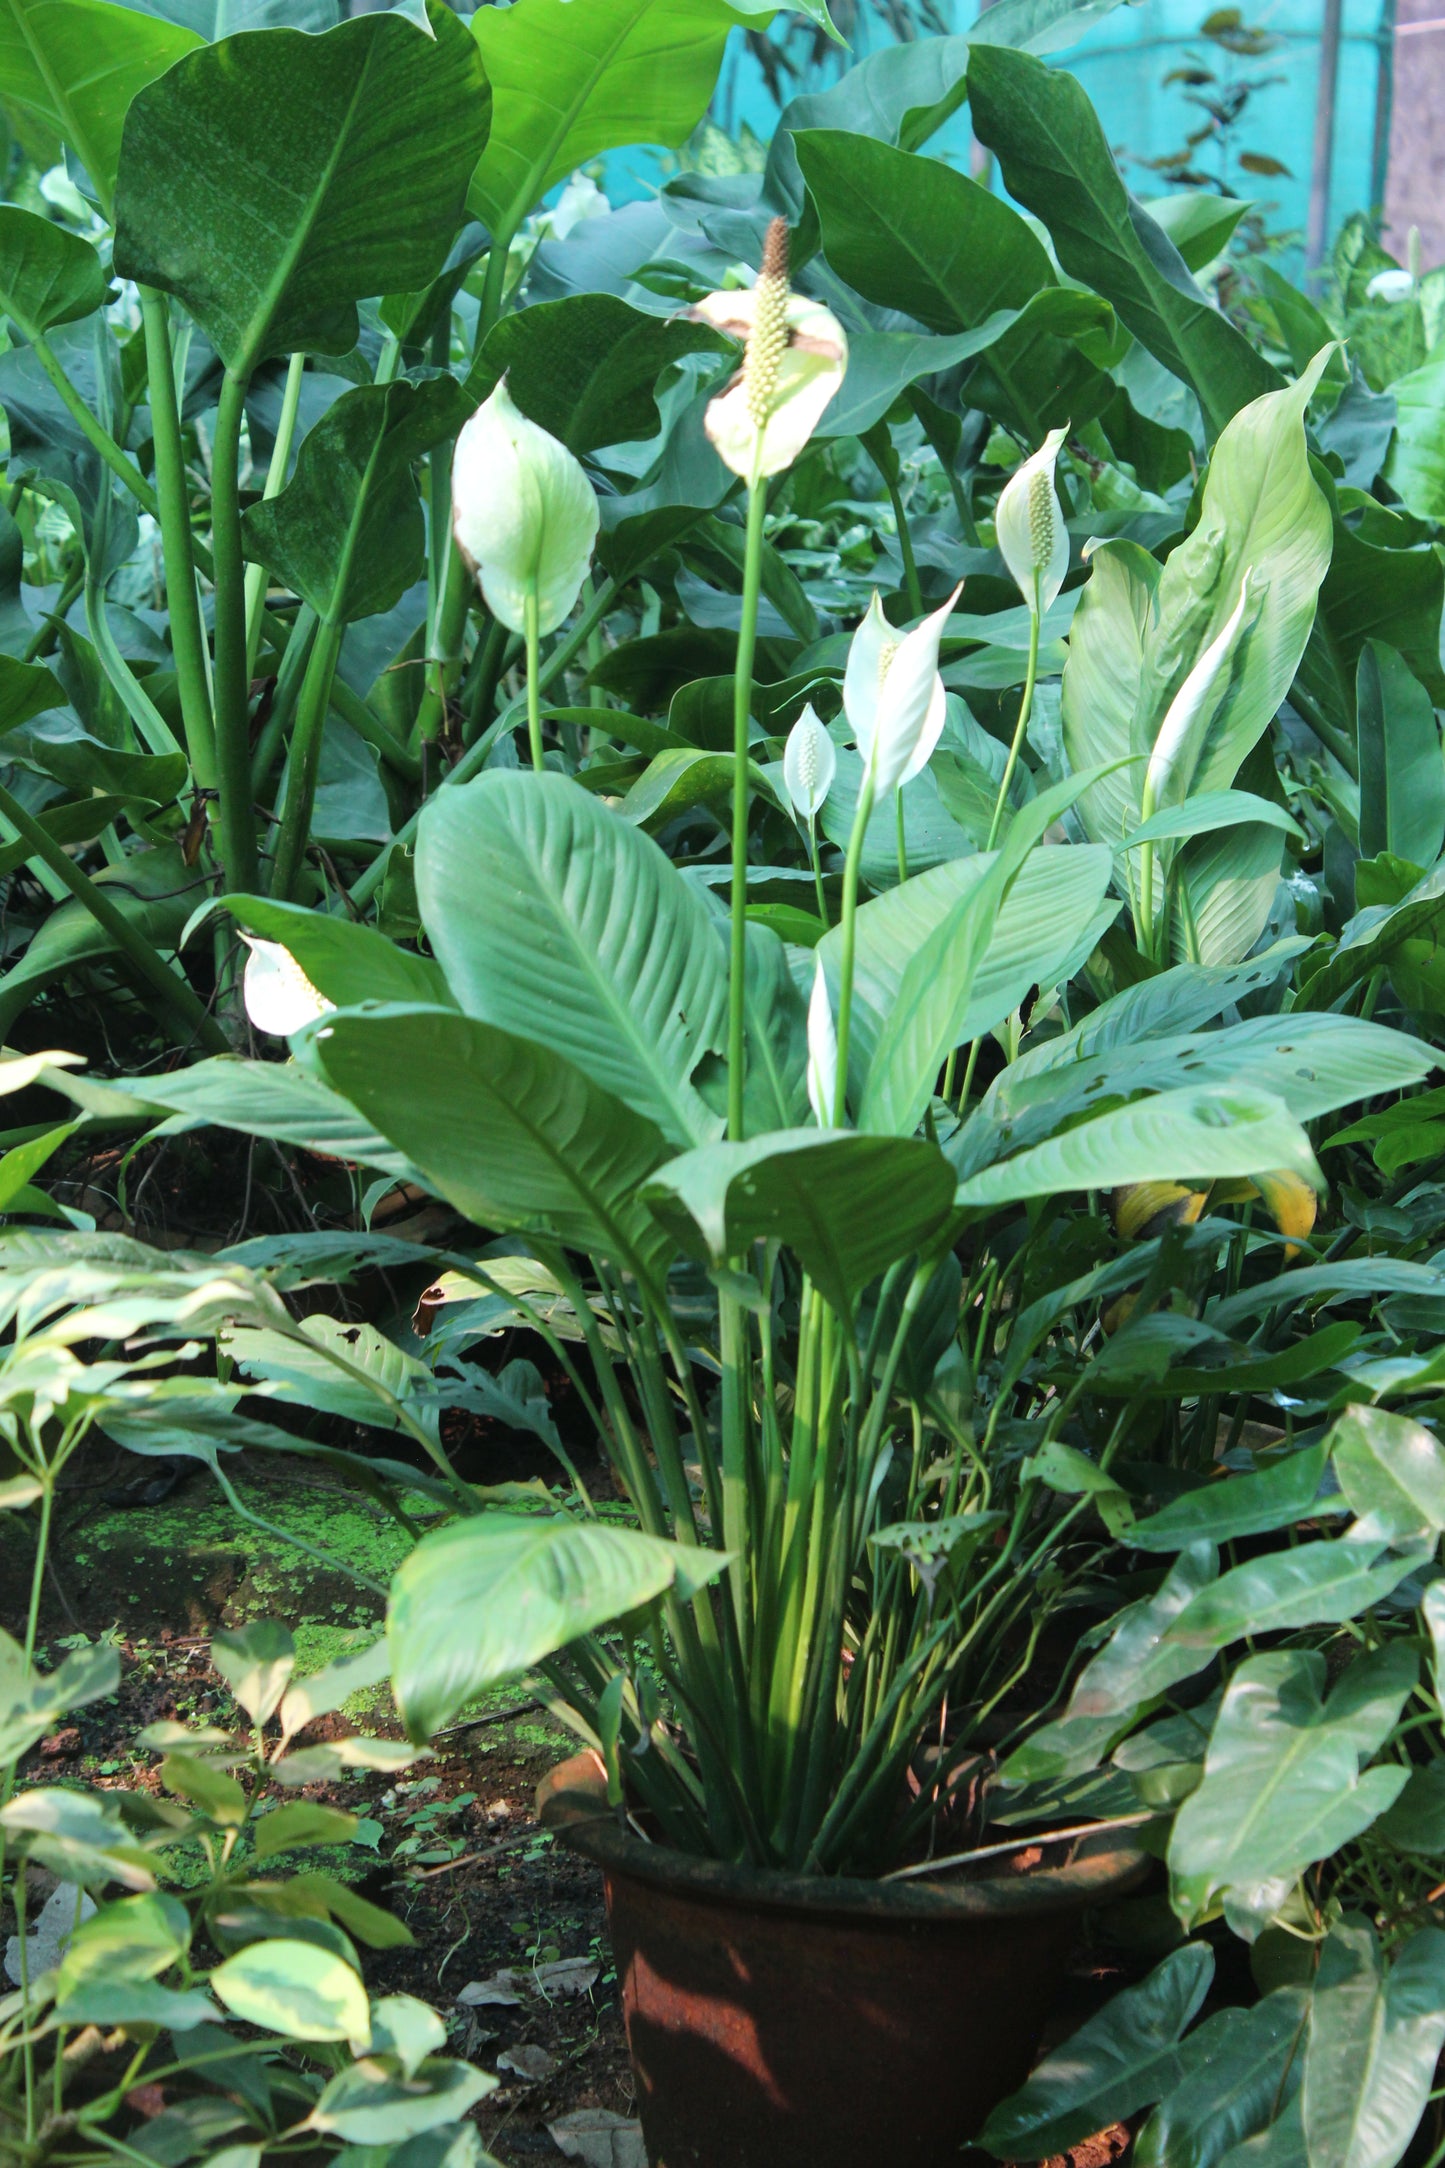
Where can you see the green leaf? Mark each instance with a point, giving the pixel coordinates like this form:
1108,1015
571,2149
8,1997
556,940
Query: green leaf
347,533
1185,1135
368,2105
847,1205
219,1797
347,962
1382,935
570,84
553,918
1199,223
129,1939
302,1822
1103,685
1376,2031
1371,592
1057,163
477,1602
70,68
1315,1584
267,1099
408,2029
587,369
511,1133
1125,2058
1282,1784
1137,1663
338,1368
256,1661
1415,468
296,1989
357,147
1402,772
26,690
152,888
1392,1470
1237,2069
48,275
1241,1505
333,1685
1222,887
1211,810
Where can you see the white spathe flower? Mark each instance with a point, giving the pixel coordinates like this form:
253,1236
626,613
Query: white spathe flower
1392,285
822,1051
810,762
795,353
279,996
1029,524
1193,706
523,513
893,695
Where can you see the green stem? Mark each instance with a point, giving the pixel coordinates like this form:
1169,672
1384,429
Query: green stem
189,1020
1023,722
305,761
817,868
232,682
188,640
742,718
531,619
46,636
275,479
289,680
902,837
851,865
99,438
474,758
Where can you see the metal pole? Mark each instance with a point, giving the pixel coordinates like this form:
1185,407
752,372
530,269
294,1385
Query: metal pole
1384,103
1318,231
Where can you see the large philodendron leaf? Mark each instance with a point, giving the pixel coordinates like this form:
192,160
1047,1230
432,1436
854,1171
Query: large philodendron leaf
572,82
1057,163
510,1132
276,179
587,368
1187,1135
479,1601
47,274
69,70
1415,468
1376,2031
557,920
847,1205
1283,1785
347,533
1222,887
1402,776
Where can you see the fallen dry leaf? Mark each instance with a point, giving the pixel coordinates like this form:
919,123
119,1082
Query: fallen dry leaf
599,2139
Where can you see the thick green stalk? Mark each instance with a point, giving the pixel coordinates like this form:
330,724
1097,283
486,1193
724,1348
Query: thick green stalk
124,468
289,679
1023,722
188,640
851,865
817,867
232,682
275,480
742,718
305,761
531,618
189,1020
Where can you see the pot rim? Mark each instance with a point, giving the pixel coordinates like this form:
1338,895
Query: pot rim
572,1804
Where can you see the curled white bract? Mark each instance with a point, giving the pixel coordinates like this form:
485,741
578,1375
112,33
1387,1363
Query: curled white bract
523,513
810,762
1189,713
822,1051
278,995
893,695
1029,525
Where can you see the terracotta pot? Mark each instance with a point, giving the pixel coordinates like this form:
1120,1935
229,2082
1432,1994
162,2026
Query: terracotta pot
818,2022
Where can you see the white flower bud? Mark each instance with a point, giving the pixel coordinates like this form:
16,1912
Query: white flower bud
1029,524
278,995
1390,285
822,1051
810,762
795,353
1193,707
893,695
523,513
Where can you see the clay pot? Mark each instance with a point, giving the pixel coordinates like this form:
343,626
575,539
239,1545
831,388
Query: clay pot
818,2023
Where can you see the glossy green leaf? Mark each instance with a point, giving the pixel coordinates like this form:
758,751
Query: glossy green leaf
1378,937
1240,1505
847,1205
477,1602
1056,162
555,919
588,368
1121,2060
1211,810
1238,2067
357,146
1402,770
1283,1784
1415,468
1184,1135
296,1989
346,961
1199,223
1314,1584
1376,2031
129,1939
347,533
1222,886
48,275
510,1132
1392,1470
1103,685
256,1661
302,1822
372,2106
70,68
